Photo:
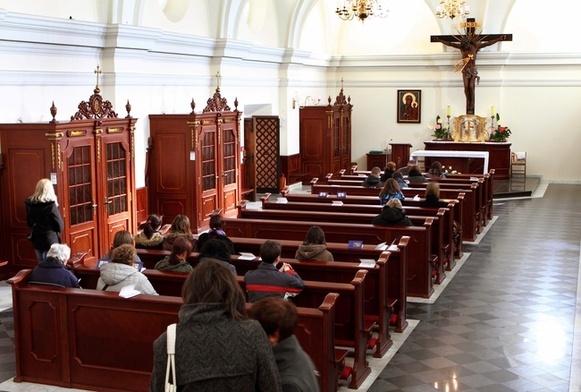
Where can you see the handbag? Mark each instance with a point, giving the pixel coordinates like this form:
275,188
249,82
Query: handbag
171,364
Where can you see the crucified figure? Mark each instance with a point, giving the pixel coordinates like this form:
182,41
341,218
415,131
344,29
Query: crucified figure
469,44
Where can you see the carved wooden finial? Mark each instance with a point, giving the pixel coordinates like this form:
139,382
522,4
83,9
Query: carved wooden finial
97,72
53,113
128,108
218,79
193,106
341,84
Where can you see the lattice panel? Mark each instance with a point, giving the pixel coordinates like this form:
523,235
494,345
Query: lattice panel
267,154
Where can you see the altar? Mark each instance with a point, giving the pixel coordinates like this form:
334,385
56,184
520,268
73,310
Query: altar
439,155
498,157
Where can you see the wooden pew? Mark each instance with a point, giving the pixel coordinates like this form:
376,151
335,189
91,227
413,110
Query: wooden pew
419,278
436,245
351,327
446,216
77,338
471,209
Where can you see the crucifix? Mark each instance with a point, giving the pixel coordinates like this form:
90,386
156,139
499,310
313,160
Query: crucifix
469,44
97,72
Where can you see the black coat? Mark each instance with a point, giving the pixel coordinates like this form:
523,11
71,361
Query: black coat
392,216
46,223
433,201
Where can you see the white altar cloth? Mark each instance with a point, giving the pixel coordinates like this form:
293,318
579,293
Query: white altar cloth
452,154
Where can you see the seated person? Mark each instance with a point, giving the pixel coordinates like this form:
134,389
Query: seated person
436,171
392,214
149,237
216,232
180,227
416,176
389,191
432,196
121,272
388,171
267,280
176,261
53,270
400,181
120,238
372,180
314,247
406,169
279,319
217,250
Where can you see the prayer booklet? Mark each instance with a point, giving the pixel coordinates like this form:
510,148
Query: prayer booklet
282,200
355,244
337,203
246,256
381,246
129,291
341,195
323,194
417,197
367,263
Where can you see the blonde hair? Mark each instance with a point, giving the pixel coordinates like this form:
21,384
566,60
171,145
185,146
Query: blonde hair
44,192
394,203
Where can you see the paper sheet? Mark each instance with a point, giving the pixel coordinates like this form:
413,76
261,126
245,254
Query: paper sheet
367,263
246,256
129,291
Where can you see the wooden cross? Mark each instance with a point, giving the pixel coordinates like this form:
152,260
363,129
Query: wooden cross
469,44
97,72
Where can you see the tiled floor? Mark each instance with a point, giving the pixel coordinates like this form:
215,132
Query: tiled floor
505,322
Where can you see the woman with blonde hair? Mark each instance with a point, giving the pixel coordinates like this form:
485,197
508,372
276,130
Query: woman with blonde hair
43,218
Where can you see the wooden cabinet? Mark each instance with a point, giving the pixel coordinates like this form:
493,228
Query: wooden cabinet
194,163
325,137
498,158
90,161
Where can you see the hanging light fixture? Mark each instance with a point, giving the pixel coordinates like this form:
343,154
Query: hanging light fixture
452,9
362,9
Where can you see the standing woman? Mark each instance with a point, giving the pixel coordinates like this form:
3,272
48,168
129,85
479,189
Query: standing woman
44,218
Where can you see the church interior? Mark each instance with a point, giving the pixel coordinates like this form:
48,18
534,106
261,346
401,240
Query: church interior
115,100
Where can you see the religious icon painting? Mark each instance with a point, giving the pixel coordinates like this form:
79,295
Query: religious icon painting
409,106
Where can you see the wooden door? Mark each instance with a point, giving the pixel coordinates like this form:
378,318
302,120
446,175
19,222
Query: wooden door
116,176
227,169
208,172
267,135
249,155
345,139
80,198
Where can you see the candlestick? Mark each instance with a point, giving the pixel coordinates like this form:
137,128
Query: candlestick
492,111
448,111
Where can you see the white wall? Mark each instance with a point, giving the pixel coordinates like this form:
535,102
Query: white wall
161,54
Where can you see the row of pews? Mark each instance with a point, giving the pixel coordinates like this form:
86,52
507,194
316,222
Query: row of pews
360,301
91,339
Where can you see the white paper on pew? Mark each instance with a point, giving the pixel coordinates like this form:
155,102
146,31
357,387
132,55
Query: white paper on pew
282,200
337,203
473,178
417,197
393,248
381,246
367,263
129,291
246,256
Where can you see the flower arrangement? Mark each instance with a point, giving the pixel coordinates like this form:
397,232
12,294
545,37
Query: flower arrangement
440,132
500,133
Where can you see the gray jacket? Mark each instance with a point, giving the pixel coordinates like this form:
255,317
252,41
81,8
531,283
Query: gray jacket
296,369
118,275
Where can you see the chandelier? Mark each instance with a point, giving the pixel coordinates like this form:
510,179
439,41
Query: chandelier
452,8
362,9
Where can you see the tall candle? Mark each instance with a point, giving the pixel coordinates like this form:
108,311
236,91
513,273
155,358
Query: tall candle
492,111
448,111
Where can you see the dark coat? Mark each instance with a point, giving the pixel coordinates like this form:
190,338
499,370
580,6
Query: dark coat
48,271
46,223
391,216
433,201
268,281
372,182
215,353
386,175
213,234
